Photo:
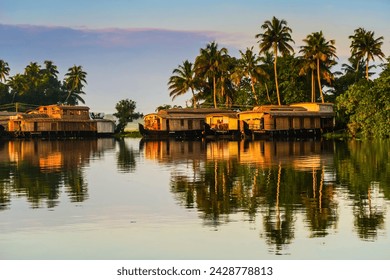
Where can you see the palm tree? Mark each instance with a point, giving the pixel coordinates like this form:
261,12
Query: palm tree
75,79
356,67
323,53
32,72
208,64
364,45
249,67
18,85
183,80
267,61
276,36
309,64
4,70
50,69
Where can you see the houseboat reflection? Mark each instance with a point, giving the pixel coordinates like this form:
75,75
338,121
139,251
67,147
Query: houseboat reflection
272,180
39,169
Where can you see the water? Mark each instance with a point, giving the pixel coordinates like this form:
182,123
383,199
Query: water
107,199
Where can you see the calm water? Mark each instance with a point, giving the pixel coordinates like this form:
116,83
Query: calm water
107,199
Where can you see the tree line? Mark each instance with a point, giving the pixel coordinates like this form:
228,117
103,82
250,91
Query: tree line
40,85
276,75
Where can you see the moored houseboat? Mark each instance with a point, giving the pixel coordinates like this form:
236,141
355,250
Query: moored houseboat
183,123
296,120
222,125
58,121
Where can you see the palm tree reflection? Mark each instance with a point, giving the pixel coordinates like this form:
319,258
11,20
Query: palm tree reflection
126,157
274,181
39,169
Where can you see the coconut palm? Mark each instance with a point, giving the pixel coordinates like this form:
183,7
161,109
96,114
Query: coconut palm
306,66
356,67
276,37
249,67
267,61
365,46
4,70
225,83
75,80
323,53
50,69
18,85
32,73
182,81
209,63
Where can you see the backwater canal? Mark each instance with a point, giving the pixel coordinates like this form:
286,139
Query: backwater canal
133,199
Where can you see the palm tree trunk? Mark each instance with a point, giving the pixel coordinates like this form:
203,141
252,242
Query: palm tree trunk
193,98
254,92
367,62
215,92
276,72
319,80
266,89
67,97
313,90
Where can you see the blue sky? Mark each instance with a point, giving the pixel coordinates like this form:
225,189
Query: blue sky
129,48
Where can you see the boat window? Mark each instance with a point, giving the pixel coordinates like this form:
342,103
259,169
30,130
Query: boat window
189,124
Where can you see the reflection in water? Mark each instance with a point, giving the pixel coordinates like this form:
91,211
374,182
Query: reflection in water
287,195
365,172
39,169
126,157
273,180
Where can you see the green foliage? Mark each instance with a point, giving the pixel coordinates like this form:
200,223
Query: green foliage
365,106
39,85
125,113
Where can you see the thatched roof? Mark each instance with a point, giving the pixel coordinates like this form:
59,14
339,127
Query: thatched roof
66,107
188,113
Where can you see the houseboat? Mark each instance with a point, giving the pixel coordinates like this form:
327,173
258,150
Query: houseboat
181,123
222,125
295,120
58,121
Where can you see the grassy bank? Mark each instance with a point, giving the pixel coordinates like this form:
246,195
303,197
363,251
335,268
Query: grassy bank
338,134
129,134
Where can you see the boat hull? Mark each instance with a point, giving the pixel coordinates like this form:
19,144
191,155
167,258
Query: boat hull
176,134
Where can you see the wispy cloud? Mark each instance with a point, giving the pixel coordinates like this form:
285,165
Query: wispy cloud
118,61
109,37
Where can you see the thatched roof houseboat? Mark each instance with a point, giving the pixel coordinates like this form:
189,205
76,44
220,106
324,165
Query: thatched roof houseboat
58,121
303,119
222,124
177,123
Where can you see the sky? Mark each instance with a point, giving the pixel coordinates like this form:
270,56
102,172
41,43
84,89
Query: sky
129,48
